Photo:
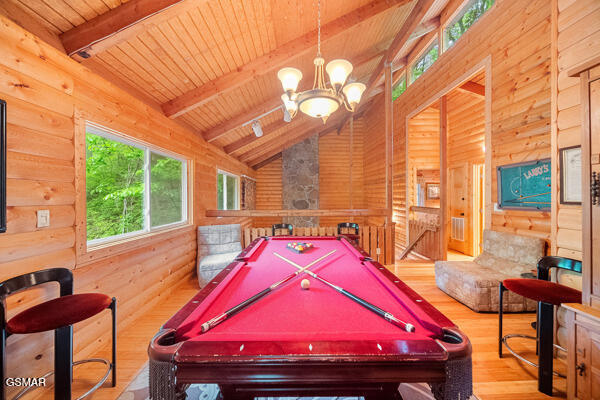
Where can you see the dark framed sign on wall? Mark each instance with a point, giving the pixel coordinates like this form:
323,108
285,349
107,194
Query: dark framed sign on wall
2,166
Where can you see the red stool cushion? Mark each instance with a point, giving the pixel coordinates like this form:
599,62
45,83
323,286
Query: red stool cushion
59,312
545,291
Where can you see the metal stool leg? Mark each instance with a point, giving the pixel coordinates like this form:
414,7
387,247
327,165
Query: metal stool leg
3,360
501,290
546,347
63,362
113,310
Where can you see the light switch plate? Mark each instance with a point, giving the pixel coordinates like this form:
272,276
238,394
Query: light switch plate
43,218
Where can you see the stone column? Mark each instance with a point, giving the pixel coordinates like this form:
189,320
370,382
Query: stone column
300,180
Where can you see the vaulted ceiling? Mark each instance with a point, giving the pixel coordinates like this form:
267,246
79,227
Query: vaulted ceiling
212,64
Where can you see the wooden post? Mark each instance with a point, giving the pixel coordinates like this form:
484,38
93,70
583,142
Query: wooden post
389,138
443,178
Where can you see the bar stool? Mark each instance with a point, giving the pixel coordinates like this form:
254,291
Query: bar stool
351,230
547,294
59,315
288,227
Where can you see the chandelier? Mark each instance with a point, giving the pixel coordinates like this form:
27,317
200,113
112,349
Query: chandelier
321,101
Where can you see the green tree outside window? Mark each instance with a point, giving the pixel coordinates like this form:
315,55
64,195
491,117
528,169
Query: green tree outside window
426,61
399,88
116,192
465,19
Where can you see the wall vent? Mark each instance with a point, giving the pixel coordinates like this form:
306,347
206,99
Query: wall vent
458,229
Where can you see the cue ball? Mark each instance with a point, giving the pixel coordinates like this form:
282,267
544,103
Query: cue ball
305,284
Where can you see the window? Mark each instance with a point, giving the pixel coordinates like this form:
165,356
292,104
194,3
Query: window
227,191
464,20
399,88
118,173
426,61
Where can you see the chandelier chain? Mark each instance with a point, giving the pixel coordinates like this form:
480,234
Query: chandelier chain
319,28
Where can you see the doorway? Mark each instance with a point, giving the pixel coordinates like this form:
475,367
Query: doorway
466,166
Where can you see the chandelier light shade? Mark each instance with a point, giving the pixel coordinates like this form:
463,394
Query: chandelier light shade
321,101
289,77
338,71
353,93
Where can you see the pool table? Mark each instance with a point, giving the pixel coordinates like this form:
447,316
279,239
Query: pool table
309,342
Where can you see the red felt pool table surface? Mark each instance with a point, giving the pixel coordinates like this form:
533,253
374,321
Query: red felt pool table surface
317,314
306,342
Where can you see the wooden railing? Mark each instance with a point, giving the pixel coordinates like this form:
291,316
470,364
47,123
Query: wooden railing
424,232
378,241
338,212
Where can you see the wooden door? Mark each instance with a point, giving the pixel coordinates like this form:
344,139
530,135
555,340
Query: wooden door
458,209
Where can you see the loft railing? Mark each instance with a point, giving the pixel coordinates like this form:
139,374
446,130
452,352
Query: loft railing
424,232
378,241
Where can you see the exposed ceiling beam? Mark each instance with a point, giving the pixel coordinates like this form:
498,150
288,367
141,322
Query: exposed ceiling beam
300,119
412,22
423,29
473,88
275,59
267,161
120,24
247,140
231,124
314,127
240,119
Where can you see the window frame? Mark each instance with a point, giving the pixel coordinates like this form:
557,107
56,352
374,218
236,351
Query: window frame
454,17
148,149
426,49
226,174
403,76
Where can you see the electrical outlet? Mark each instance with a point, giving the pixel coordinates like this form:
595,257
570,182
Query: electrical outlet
378,251
43,218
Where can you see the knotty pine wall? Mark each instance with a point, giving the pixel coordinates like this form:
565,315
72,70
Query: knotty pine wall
334,177
466,148
374,159
423,147
269,192
48,95
341,175
515,35
576,27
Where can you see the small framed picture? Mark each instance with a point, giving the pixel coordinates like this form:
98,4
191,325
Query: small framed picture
433,191
570,175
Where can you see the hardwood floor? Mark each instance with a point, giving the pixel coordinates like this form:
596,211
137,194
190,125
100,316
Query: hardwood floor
494,378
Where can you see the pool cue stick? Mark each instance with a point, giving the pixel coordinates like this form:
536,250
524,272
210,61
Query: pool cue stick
382,313
235,309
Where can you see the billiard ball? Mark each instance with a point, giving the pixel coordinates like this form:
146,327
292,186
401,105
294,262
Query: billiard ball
305,284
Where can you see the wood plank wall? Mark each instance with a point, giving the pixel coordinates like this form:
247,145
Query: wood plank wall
374,167
423,147
334,177
466,144
335,172
577,28
46,91
268,192
516,35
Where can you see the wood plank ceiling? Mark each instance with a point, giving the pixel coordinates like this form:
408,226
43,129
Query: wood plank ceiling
212,64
